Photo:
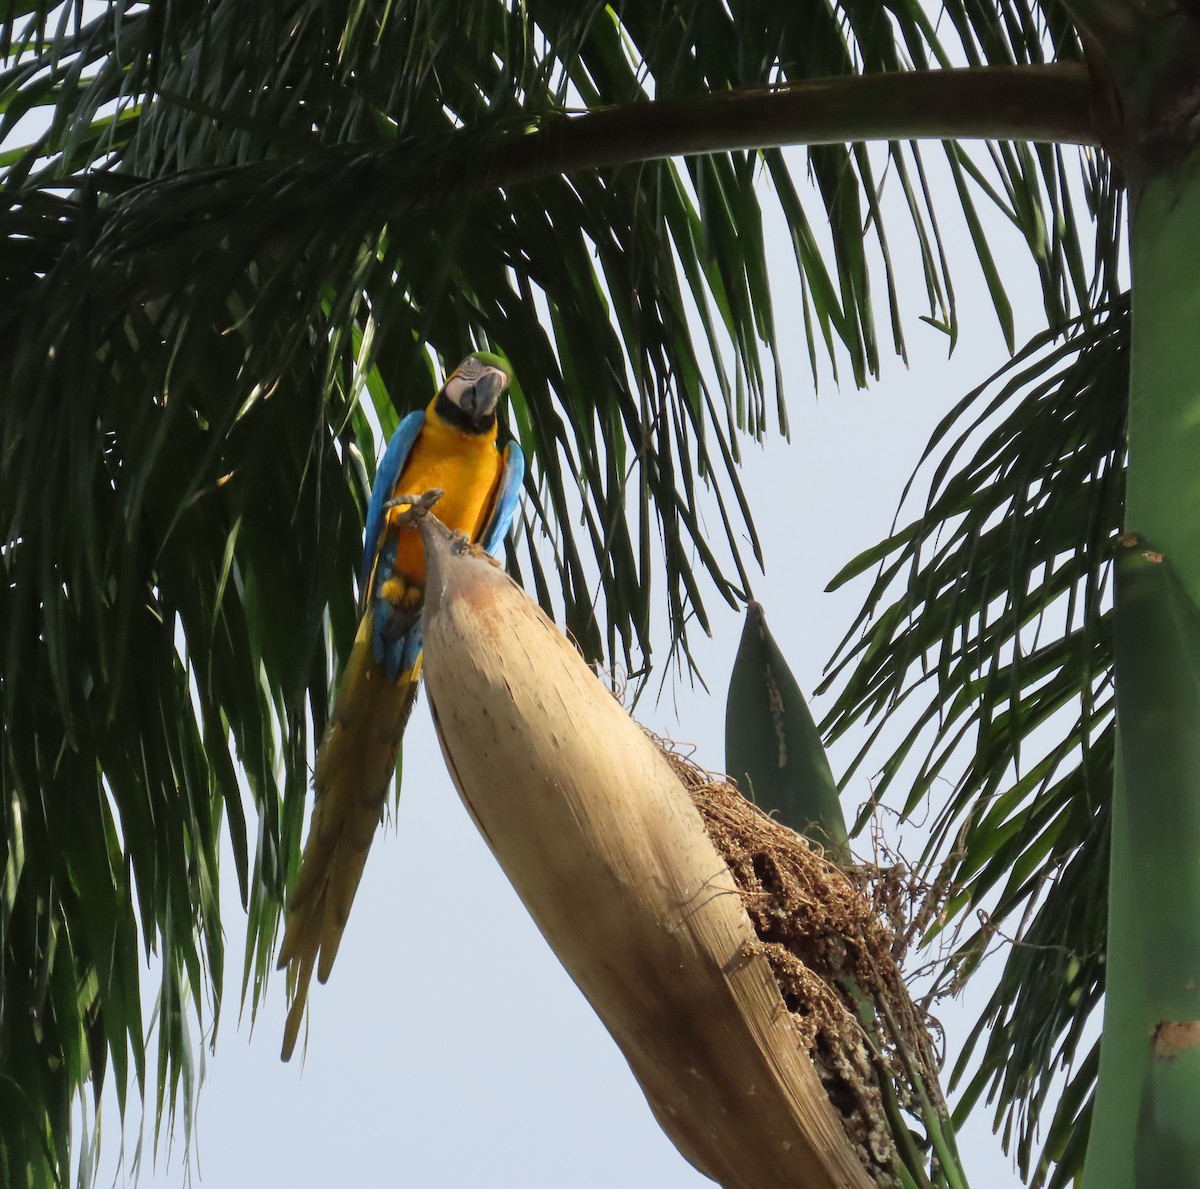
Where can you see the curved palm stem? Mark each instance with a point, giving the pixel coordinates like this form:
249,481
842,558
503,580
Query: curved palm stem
1044,104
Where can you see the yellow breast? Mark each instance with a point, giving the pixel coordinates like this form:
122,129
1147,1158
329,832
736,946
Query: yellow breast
466,467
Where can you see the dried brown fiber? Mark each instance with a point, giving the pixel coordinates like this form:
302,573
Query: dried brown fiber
824,931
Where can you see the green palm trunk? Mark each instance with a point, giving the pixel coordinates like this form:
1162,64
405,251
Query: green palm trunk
1148,1103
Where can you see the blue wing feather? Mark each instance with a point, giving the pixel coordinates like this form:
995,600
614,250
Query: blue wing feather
386,475
507,495
398,650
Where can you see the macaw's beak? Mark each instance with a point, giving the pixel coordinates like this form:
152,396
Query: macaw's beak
482,397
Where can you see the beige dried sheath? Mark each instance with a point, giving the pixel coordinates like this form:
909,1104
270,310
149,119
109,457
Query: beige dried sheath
602,843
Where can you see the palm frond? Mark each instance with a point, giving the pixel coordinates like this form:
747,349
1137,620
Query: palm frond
999,644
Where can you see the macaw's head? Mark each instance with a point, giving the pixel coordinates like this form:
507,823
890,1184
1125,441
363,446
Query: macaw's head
472,391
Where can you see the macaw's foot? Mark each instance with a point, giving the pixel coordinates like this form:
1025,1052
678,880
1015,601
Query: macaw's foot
414,505
402,593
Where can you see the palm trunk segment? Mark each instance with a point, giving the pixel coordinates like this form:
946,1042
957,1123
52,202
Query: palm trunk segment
1148,1101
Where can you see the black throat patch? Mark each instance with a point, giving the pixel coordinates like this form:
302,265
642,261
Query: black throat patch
450,413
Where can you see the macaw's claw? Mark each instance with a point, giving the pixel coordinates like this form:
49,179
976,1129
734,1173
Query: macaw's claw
417,505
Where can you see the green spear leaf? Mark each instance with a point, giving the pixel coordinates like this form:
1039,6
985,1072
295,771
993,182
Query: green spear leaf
773,751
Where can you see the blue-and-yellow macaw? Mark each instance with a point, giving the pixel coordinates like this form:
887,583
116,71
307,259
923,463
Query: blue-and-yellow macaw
450,446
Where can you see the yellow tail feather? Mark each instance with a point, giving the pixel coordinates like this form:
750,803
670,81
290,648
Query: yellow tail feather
354,769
